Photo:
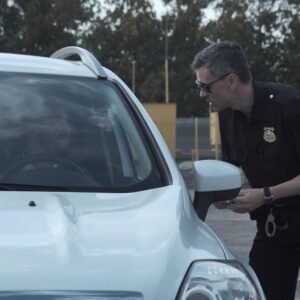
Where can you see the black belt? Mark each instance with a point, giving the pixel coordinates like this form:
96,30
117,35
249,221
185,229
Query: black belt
263,211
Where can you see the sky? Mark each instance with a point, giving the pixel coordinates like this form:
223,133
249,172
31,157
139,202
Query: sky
160,8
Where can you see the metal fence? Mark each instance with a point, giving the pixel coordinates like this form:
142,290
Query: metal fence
193,140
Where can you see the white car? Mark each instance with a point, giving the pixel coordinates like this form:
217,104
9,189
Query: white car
92,204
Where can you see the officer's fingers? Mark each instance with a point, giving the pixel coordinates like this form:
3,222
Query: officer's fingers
243,192
239,204
233,206
239,198
240,210
244,200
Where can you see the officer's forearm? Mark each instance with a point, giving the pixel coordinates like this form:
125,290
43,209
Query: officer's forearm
286,189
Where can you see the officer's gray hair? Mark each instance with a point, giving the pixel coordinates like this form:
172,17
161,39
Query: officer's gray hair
224,57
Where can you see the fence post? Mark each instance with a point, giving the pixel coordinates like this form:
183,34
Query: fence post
196,140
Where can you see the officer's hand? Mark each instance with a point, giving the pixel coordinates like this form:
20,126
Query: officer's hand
247,201
221,204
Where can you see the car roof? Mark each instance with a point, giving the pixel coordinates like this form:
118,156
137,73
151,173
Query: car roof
57,64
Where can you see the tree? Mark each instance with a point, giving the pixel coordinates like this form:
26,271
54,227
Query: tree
41,27
186,39
289,61
9,26
268,30
129,32
126,35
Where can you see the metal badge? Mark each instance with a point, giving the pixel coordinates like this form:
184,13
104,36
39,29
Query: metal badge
269,134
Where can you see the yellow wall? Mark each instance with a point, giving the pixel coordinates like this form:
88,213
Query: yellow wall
214,128
215,134
164,116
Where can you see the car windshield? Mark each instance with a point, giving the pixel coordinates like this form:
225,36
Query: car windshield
72,132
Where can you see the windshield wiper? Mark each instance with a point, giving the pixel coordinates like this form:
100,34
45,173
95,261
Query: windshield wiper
30,187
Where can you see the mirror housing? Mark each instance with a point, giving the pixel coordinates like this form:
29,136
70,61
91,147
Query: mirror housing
214,181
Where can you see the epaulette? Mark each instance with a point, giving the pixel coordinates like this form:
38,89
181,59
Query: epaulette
283,94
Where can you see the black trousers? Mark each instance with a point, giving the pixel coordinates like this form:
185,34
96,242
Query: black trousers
276,261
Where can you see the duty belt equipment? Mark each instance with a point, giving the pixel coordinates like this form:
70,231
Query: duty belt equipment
271,226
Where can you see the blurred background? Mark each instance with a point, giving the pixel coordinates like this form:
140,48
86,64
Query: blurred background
135,38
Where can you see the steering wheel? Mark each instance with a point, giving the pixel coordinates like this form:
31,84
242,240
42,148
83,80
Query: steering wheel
39,162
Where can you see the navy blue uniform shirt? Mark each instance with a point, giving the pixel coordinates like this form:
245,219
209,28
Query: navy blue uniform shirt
267,144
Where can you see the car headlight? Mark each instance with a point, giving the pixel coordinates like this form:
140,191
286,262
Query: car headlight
216,280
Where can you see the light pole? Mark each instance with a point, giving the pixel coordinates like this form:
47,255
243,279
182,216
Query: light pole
167,100
133,76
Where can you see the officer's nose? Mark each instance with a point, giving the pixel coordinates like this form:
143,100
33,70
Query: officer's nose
203,93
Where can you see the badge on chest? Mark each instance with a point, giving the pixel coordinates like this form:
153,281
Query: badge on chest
269,134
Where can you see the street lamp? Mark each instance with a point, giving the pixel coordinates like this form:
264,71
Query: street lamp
133,76
167,100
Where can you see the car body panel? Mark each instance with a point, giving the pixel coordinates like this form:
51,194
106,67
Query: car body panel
141,241
42,65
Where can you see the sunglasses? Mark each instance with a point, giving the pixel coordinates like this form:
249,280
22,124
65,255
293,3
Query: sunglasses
207,86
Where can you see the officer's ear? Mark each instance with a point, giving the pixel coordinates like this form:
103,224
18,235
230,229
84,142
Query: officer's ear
233,81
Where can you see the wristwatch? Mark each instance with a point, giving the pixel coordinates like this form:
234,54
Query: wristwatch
268,197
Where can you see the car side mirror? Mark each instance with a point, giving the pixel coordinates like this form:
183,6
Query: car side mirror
214,181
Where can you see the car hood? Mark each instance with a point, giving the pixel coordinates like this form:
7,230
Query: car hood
143,241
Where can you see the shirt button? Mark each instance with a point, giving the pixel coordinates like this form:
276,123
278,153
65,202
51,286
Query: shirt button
271,96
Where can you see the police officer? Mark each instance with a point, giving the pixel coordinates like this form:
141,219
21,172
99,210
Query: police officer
260,132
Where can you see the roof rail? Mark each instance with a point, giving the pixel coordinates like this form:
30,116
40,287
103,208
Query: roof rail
87,58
